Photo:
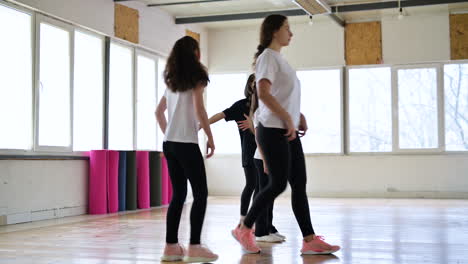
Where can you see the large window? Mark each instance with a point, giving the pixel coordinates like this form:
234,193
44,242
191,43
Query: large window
370,118
223,91
15,79
54,112
321,105
417,108
88,92
146,102
121,97
456,107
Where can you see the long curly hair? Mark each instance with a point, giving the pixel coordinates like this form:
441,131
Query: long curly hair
183,70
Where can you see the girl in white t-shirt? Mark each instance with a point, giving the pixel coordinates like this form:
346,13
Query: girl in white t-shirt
186,78
277,135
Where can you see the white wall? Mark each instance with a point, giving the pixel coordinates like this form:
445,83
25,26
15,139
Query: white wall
399,176
35,190
319,45
417,38
41,189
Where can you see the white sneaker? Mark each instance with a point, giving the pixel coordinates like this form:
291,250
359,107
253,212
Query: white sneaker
279,235
269,239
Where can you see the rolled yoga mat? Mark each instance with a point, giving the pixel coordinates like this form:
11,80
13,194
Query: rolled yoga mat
112,181
122,180
97,194
165,198
155,178
131,195
143,179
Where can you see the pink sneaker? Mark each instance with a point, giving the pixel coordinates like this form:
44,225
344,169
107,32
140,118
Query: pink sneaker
247,240
173,252
318,246
199,253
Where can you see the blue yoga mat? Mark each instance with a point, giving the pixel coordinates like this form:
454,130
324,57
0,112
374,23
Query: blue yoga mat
122,180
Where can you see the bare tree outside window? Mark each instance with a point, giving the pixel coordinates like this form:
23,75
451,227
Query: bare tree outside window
456,107
370,119
417,108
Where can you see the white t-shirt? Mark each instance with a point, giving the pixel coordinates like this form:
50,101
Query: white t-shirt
257,154
255,124
285,87
182,123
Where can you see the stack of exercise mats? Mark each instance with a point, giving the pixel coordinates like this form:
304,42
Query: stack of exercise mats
127,180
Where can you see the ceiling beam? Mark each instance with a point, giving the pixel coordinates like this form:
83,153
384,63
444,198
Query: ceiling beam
188,2
390,4
242,16
300,12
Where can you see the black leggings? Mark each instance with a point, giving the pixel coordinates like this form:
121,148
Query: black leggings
264,222
285,161
185,161
250,187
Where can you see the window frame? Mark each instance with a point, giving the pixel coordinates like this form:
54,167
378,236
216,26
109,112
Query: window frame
440,110
342,108
103,47
452,62
17,8
156,58
70,29
38,17
347,109
123,43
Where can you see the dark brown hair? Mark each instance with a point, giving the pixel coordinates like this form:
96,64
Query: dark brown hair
250,93
270,25
183,69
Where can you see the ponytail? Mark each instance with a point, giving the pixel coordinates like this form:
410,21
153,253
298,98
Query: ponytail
270,25
260,49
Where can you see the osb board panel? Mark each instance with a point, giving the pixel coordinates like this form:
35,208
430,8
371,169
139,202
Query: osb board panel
192,34
459,36
126,23
363,43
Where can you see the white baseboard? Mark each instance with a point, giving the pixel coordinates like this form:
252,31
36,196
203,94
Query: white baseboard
16,218
25,217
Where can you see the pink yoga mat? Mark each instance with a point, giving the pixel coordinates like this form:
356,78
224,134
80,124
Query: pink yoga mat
143,179
165,199
97,194
112,181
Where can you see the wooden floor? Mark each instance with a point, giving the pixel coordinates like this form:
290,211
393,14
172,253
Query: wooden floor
369,231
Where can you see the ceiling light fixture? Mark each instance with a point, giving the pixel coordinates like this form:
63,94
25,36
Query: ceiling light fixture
400,11
313,7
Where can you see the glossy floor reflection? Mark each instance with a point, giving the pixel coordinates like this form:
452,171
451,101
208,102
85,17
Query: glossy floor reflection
369,231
